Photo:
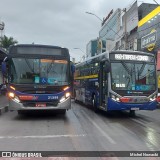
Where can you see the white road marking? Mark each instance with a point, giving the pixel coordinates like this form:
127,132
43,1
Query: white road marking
41,136
101,130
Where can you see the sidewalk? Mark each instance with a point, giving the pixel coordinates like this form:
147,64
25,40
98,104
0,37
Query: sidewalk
3,104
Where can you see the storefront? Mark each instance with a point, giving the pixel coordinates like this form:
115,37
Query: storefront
149,32
149,36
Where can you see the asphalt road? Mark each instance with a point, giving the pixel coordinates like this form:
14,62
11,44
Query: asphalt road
3,101
81,130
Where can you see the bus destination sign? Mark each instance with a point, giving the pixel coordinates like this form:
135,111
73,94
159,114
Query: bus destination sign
131,57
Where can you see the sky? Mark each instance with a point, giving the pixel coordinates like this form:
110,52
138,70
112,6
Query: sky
61,23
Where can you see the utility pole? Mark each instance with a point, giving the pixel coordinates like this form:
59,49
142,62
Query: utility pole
125,28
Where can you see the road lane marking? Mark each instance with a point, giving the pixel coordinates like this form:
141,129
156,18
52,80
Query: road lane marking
101,130
41,136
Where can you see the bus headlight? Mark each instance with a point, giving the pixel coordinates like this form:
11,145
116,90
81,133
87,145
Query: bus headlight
62,99
11,95
68,94
153,98
16,99
115,98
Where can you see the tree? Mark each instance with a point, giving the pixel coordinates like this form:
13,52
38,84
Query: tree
7,41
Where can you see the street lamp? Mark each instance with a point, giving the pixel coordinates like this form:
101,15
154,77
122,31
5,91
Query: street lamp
106,24
95,16
83,57
80,50
156,2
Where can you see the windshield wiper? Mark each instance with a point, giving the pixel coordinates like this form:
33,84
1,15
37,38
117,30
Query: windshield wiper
128,71
50,66
28,64
126,68
141,69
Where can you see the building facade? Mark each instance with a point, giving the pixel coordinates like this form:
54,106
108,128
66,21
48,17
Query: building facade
127,35
91,48
125,29
149,35
110,26
149,31
129,32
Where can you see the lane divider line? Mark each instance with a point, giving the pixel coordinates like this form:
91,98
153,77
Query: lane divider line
41,136
101,130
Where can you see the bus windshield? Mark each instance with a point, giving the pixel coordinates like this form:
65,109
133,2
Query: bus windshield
135,76
38,71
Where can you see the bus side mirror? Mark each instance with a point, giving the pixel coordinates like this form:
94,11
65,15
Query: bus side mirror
107,66
4,68
72,68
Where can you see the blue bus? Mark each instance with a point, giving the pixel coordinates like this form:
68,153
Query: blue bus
117,80
39,77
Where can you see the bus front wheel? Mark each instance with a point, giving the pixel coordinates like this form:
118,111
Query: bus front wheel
75,98
21,112
132,113
94,103
63,111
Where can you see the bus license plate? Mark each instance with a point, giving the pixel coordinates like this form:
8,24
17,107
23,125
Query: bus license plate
134,108
40,104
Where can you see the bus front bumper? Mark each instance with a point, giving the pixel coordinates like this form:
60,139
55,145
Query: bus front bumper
13,105
113,105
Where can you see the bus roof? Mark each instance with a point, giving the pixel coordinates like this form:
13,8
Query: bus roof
105,55
38,50
35,45
132,52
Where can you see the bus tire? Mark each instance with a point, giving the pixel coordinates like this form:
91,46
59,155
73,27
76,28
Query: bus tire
75,99
20,112
63,111
132,113
94,104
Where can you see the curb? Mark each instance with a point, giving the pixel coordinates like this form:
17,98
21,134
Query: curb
3,110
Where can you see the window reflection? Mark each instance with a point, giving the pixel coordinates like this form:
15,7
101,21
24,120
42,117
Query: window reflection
38,71
133,76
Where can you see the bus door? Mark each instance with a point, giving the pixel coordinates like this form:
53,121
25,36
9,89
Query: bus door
103,85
